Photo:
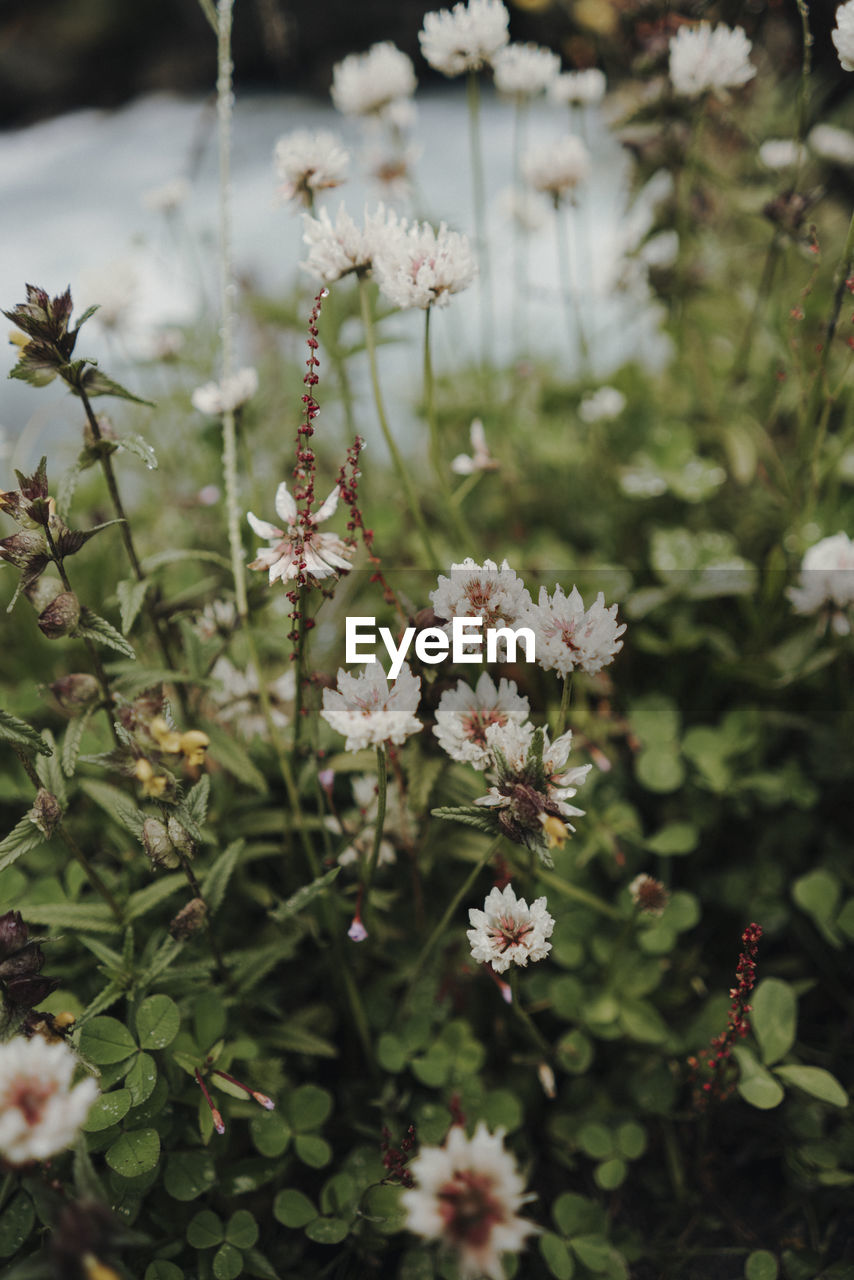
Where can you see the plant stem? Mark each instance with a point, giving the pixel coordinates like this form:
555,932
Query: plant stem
402,473
222,972
520,244
819,393
574,326
525,1018
745,348
454,512
578,895
478,192
565,700
224,101
382,789
435,936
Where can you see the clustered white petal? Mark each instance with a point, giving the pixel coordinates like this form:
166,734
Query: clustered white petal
216,398
463,716
708,58
843,35
368,713
486,591
365,84
507,931
467,1195
578,88
826,578
465,37
831,143
397,823
480,459
237,698
604,404
339,248
40,1111
416,266
782,153
293,550
524,70
307,162
570,637
557,168
512,740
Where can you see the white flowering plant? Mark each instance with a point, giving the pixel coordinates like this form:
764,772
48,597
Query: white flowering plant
518,944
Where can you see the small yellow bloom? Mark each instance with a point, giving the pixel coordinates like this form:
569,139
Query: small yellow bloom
97,1270
557,832
18,339
153,784
168,740
194,744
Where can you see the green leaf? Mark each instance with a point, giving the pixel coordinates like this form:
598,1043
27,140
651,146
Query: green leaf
217,878
293,1209
676,838
815,1081
556,1255
228,753
93,627
160,1269
107,1110
774,1018
131,594
761,1265
49,771
205,1230
242,1230
596,1140
72,741
468,816
144,900
24,837
134,1153
16,1222
610,1174
593,1251
227,1263
116,803
312,1150
189,1174
575,1215
106,1040
197,799
94,917
141,1078
97,383
157,1022
271,1133
300,900
309,1106
257,1265
818,893
111,993
135,444
756,1085
631,1140
327,1230
152,563
20,734
659,768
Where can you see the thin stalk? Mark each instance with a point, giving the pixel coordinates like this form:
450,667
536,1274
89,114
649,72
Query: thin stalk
574,325
224,102
189,875
431,943
6,1188
71,844
806,67
520,244
463,490
382,789
565,700
454,512
397,460
577,895
478,192
300,669
769,268
819,393
525,1018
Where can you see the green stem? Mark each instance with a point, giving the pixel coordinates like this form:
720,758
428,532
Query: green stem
574,324
431,943
222,972
520,256
577,895
464,489
478,191
299,687
462,533
819,397
382,789
565,700
525,1018
402,473
772,257
5,1189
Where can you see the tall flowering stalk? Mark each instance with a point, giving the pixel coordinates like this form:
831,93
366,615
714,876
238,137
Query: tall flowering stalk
708,1068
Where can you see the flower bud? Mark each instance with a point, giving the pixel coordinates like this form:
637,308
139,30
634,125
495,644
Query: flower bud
189,920
75,693
43,592
157,844
62,617
13,933
46,813
167,739
181,838
194,744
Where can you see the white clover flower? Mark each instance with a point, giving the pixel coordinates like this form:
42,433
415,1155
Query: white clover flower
308,162
40,1112
513,740
528,209
782,153
660,251
578,88
339,248
416,266
465,37
219,617
480,459
708,58
843,35
833,144
292,550
366,84
827,578
570,637
524,70
507,931
605,404
463,716
467,1196
167,198
237,698
473,591
368,713
216,398
557,168
398,823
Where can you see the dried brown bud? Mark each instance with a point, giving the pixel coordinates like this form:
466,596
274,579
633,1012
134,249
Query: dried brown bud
76,692
189,920
157,844
13,933
181,838
46,813
62,617
649,895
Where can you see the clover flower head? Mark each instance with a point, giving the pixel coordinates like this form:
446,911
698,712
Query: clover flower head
707,58
578,88
40,1112
464,715
217,398
366,84
464,38
833,144
369,713
307,162
843,35
480,459
568,636
489,591
557,168
523,71
604,404
416,266
342,247
827,579
507,931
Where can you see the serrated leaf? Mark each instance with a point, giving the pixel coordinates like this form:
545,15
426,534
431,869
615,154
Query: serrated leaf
470,817
815,1081
152,563
134,1153
139,446
49,771
21,734
23,837
72,741
115,991
69,541
300,900
93,627
131,679
97,383
144,900
197,799
91,916
117,804
217,878
131,594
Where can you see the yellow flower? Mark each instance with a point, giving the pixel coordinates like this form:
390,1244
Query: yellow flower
557,832
168,740
194,744
153,784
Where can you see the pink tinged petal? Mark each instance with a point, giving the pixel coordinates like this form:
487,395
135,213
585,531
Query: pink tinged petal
317,567
327,508
357,931
263,527
286,507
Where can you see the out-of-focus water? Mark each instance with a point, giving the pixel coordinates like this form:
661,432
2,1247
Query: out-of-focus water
73,211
